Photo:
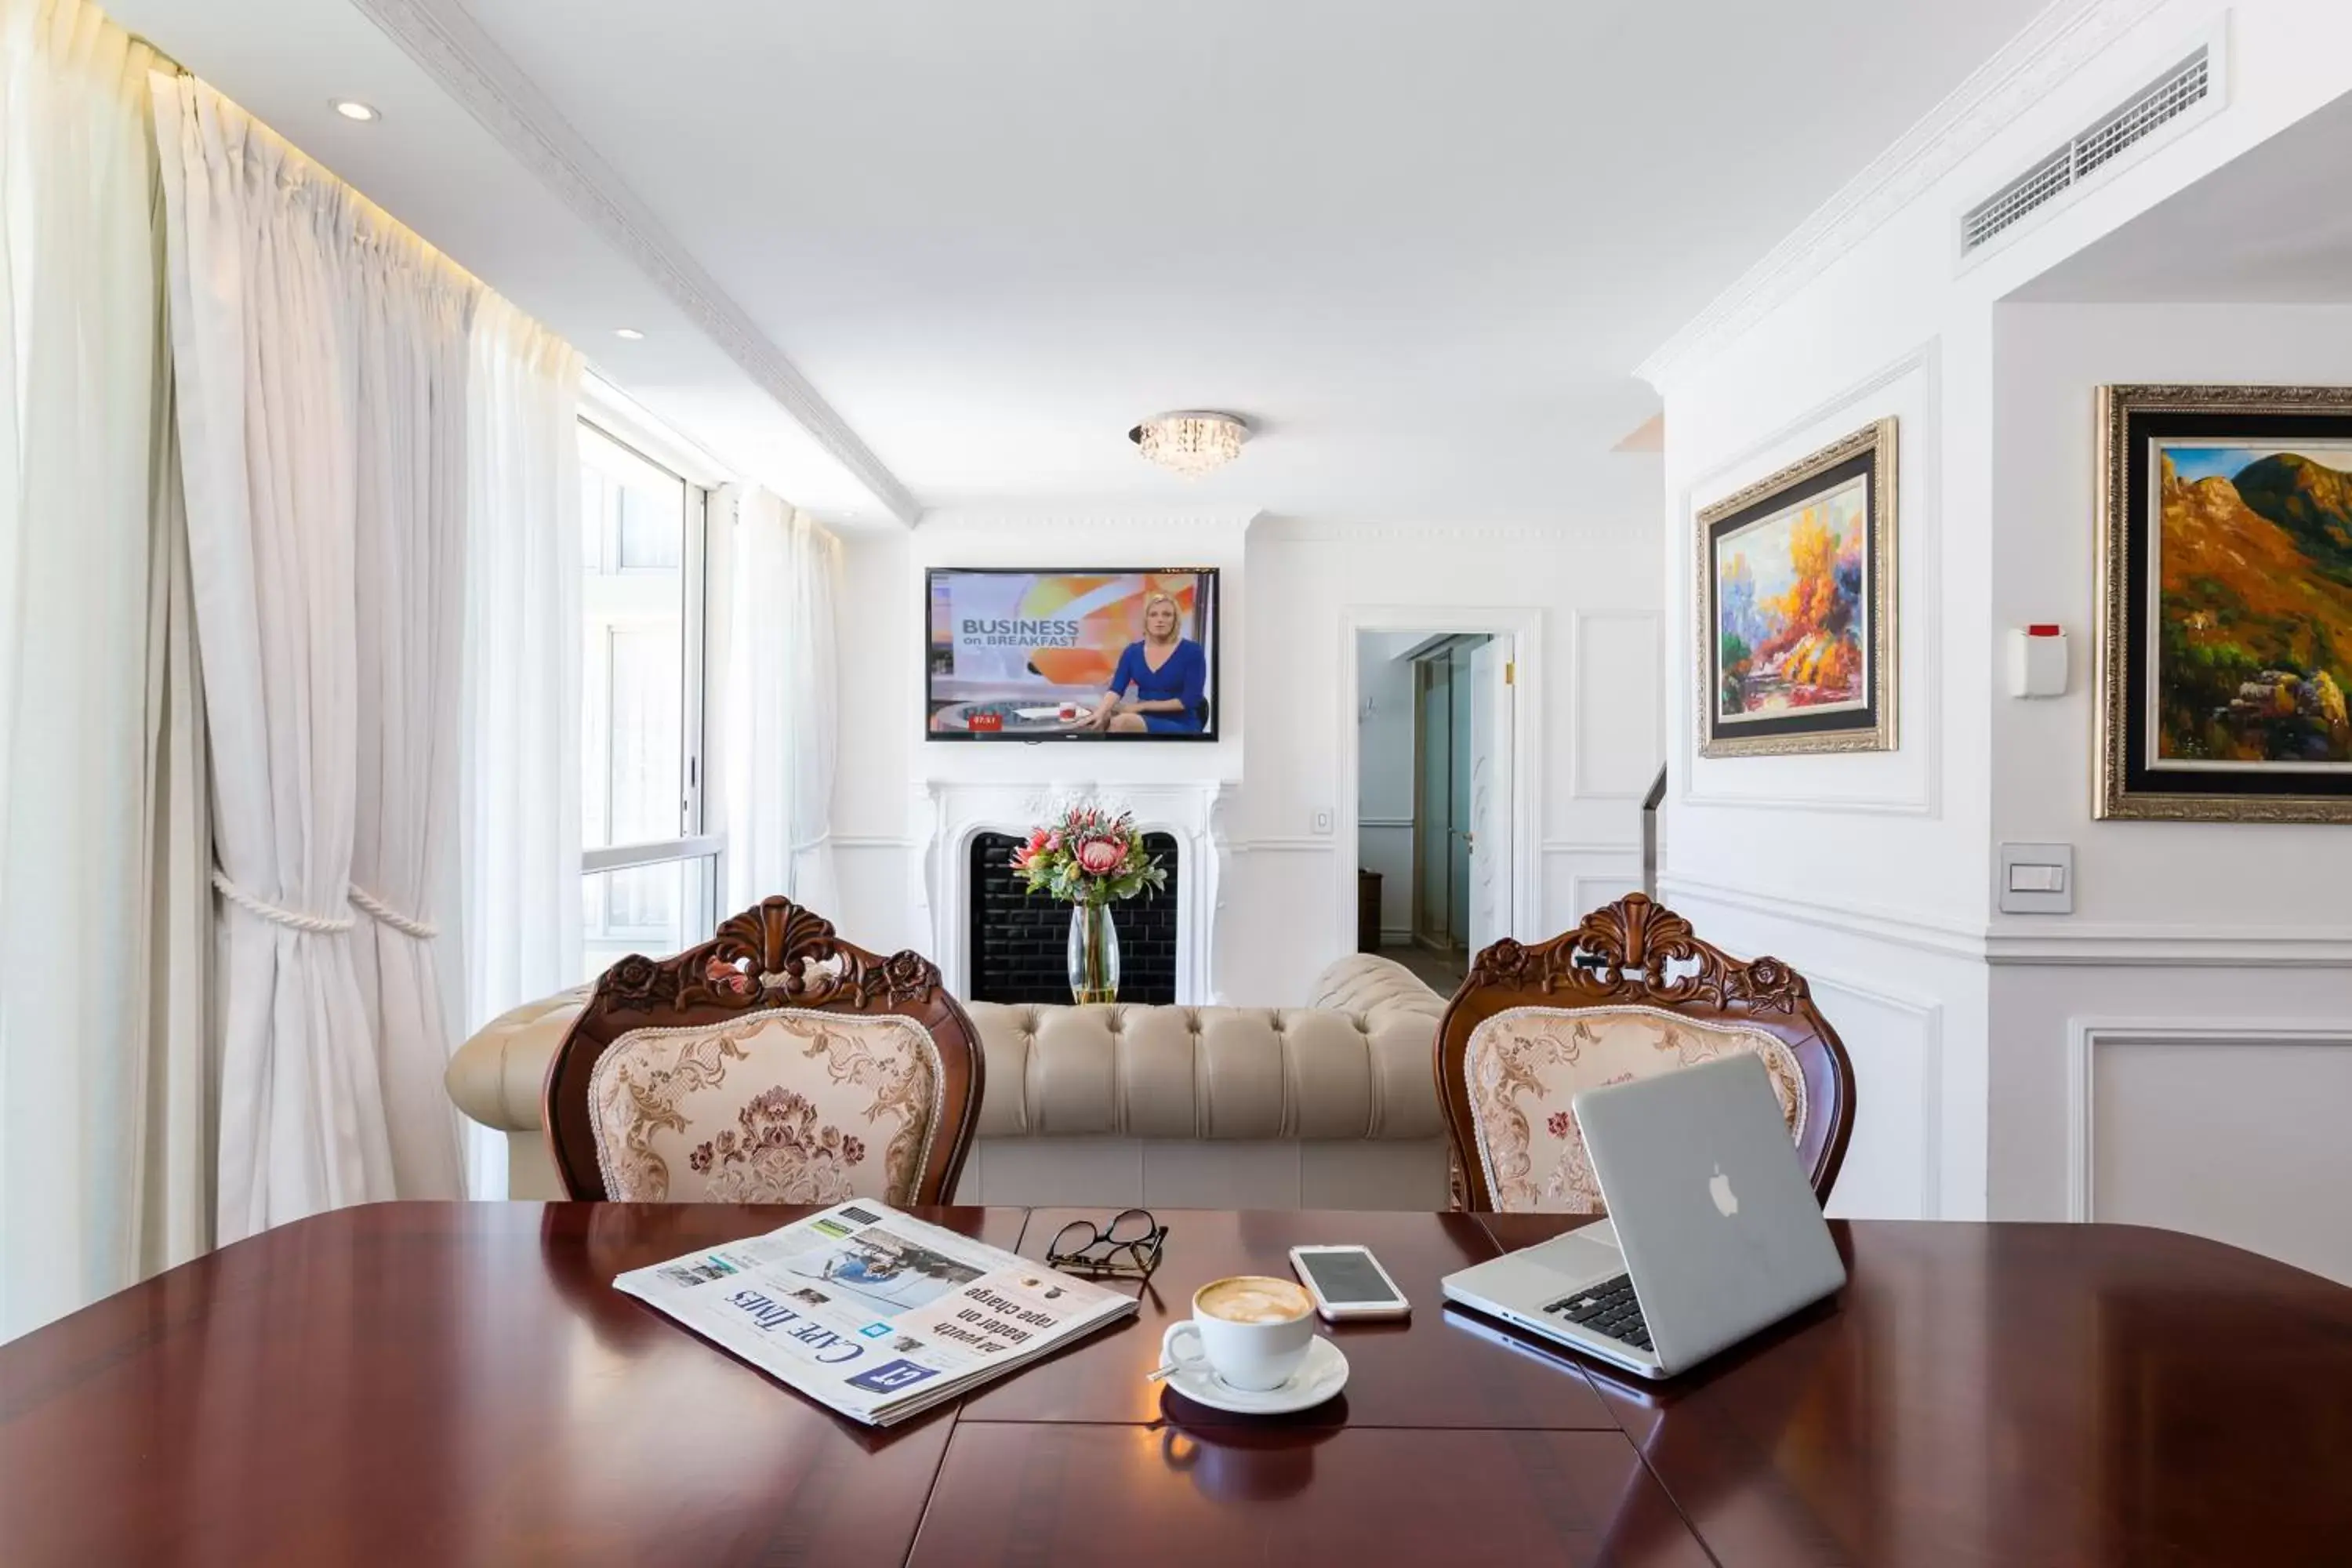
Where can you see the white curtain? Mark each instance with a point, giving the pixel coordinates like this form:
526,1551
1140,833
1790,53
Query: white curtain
411,314
316,344
104,917
521,788
781,697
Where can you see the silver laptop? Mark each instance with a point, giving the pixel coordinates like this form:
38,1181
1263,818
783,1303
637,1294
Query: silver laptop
1713,1231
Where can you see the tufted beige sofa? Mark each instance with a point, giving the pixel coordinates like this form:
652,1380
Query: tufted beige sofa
1332,1105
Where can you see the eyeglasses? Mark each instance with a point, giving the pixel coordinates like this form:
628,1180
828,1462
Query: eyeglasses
1129,1247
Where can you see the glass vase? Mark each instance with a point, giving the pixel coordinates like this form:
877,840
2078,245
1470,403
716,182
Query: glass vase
1094,954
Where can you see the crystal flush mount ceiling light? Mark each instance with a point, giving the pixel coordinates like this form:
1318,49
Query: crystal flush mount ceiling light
1191,443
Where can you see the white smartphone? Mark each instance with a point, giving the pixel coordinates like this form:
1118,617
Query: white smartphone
1348,1283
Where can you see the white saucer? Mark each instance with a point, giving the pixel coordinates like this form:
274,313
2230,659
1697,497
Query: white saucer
1323,1373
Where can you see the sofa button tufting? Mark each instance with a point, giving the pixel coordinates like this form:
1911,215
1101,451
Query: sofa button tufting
1269,1076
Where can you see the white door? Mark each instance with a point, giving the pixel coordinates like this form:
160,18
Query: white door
1490,793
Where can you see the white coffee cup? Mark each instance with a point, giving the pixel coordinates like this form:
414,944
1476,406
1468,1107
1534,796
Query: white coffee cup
1253,1330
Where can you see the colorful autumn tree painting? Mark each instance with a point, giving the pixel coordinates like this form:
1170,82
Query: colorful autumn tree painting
1789,611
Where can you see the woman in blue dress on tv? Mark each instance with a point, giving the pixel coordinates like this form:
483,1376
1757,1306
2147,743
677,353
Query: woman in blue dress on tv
1170,675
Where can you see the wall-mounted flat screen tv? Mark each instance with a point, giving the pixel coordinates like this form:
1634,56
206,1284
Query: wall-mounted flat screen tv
1072,656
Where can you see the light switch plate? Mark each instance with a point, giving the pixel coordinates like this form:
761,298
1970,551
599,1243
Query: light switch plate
1323,820
2036,880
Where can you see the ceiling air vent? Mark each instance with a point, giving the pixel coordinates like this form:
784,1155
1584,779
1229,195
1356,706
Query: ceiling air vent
2159,103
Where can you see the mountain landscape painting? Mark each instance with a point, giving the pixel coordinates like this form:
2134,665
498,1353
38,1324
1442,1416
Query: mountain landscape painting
2252,634
1791,626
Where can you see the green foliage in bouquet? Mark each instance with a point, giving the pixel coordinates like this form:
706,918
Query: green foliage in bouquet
1088,855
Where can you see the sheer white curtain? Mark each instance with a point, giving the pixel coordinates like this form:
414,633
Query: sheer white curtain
103,912
782,693
521,788
318,349
412,312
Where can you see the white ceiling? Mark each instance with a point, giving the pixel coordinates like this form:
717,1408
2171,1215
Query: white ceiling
2270,226
1418,246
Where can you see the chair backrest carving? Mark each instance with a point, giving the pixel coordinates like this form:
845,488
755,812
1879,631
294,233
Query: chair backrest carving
1633,963
776,958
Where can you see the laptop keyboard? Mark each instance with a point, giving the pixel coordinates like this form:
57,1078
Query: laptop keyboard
1607,1309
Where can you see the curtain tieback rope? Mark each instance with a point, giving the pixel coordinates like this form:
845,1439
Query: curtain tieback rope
292,920
376,909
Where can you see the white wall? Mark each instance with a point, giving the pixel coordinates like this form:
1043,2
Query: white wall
1875,870
1589,583
1385,776
2049,361
1287,900
2243,928
881,626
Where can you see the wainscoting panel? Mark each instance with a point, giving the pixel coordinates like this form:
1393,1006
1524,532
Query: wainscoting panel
1617,738
2225,1130
1918,1131
1579,878
1894,1166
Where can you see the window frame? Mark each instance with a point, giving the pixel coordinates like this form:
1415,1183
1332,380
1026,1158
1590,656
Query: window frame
608,415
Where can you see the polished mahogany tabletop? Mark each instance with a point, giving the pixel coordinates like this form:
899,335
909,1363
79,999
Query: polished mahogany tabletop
457,1383
2016,1394
1418,1372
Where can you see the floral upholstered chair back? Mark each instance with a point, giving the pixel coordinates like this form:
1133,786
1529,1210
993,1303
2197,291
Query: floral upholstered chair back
1630,993
775,1064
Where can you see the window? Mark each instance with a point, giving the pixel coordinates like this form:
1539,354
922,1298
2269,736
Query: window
650,875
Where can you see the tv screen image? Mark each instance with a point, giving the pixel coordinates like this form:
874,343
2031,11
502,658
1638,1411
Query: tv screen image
1031,656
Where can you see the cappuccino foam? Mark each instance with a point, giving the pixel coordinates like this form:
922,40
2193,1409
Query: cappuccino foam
1254,1299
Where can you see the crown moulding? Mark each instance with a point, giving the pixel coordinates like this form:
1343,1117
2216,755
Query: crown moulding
472,69
2052,48
996,520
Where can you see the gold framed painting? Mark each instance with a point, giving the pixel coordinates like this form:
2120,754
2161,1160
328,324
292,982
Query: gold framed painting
2225,586
1796,607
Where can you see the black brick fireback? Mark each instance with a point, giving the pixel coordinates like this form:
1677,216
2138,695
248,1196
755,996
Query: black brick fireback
1020,943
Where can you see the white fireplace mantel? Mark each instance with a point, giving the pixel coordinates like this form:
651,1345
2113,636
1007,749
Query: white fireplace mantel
947,814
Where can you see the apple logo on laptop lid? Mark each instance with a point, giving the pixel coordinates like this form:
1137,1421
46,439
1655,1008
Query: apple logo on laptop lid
1726,1202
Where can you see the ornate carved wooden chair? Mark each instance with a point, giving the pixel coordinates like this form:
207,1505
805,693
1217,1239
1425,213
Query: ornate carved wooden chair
1629,992
775,1063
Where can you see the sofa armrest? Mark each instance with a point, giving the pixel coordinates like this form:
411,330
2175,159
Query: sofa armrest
496,1076
1378,987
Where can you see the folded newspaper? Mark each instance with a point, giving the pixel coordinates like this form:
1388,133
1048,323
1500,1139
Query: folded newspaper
871,1312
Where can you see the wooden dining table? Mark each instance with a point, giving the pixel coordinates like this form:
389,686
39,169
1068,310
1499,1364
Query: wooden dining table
459,1383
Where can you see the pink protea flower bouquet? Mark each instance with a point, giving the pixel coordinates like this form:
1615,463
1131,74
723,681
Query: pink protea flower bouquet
1088,855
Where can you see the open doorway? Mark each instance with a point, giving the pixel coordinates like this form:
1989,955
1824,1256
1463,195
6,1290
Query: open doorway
1433,806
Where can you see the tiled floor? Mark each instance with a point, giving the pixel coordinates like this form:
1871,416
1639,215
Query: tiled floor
1440,971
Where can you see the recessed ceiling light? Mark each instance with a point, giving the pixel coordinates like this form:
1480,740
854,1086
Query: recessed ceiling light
352,109
629,332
